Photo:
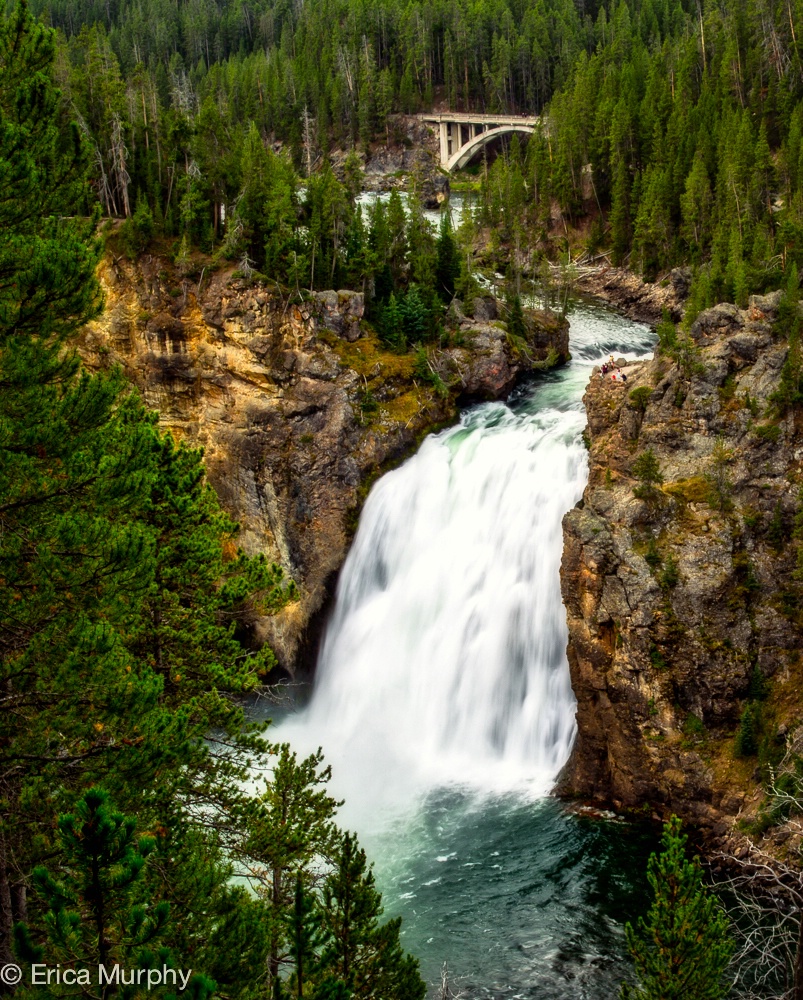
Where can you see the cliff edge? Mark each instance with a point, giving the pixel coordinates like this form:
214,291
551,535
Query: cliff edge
683,611
298,405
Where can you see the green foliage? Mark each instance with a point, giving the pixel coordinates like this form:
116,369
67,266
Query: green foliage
652,555
361,953
667,335
777,534
515,318
640,397
425,371
447,268
126,613
693,726
747,737
682,947
647,470
657,658
136,233
759,685
694,149
669,577
720,487
91,914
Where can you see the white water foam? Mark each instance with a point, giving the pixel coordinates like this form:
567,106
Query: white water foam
444,661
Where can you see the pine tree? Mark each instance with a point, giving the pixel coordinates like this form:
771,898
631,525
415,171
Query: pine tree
305,934
392,324
682,947
696,204
286,828
415,315
515,318
447,268
363,954
647,471
74,459
96,910
88,490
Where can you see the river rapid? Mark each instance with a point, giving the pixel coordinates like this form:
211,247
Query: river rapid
442,700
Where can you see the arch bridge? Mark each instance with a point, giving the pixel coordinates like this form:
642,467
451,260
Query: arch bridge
464,134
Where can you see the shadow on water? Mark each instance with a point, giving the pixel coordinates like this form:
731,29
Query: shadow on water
522,899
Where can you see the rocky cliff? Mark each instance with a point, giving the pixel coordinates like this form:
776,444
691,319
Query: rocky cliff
677,576
297,405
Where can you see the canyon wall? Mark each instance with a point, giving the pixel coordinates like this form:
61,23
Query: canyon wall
298,405
682,606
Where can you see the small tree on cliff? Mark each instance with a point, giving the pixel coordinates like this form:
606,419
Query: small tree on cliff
682,947
647,470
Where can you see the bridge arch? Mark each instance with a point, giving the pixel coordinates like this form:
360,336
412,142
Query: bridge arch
465,153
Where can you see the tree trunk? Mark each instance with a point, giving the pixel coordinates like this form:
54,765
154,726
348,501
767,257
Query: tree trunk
6,911
797,992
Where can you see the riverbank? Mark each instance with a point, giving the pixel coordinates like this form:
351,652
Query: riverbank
635,298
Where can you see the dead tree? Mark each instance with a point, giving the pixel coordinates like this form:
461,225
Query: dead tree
766,906
308,130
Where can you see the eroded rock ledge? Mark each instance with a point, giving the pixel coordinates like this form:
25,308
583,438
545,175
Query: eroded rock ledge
298,406
674,602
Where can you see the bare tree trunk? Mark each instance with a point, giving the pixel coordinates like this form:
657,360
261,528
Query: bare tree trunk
307,122
797,993
6,911
119,155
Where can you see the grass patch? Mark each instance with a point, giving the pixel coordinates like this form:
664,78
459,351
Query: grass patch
696,489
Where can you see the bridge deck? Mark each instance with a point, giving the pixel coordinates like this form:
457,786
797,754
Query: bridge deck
468,118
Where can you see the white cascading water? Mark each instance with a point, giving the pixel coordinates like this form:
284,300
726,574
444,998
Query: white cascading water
442,687
444,661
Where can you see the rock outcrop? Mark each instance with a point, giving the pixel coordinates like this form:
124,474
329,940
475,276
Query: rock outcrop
297,405
412,153
630,294
680,595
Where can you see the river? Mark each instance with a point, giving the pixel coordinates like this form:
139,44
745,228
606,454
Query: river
442,700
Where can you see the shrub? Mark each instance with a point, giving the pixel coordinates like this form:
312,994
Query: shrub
747,737
639,397
670,577
647,471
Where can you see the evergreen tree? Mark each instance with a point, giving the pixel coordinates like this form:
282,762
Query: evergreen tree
392,325
304,935
515,318
95,911
647,470
682,947
447,268
286,828
92,917
363,954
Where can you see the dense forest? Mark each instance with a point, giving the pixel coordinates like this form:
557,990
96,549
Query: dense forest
671,133
125,610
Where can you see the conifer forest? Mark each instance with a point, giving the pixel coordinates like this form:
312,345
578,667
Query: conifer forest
153,825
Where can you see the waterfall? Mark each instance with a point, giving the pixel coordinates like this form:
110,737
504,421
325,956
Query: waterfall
442,697
444,660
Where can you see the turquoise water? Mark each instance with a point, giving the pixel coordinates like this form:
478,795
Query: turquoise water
521,899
